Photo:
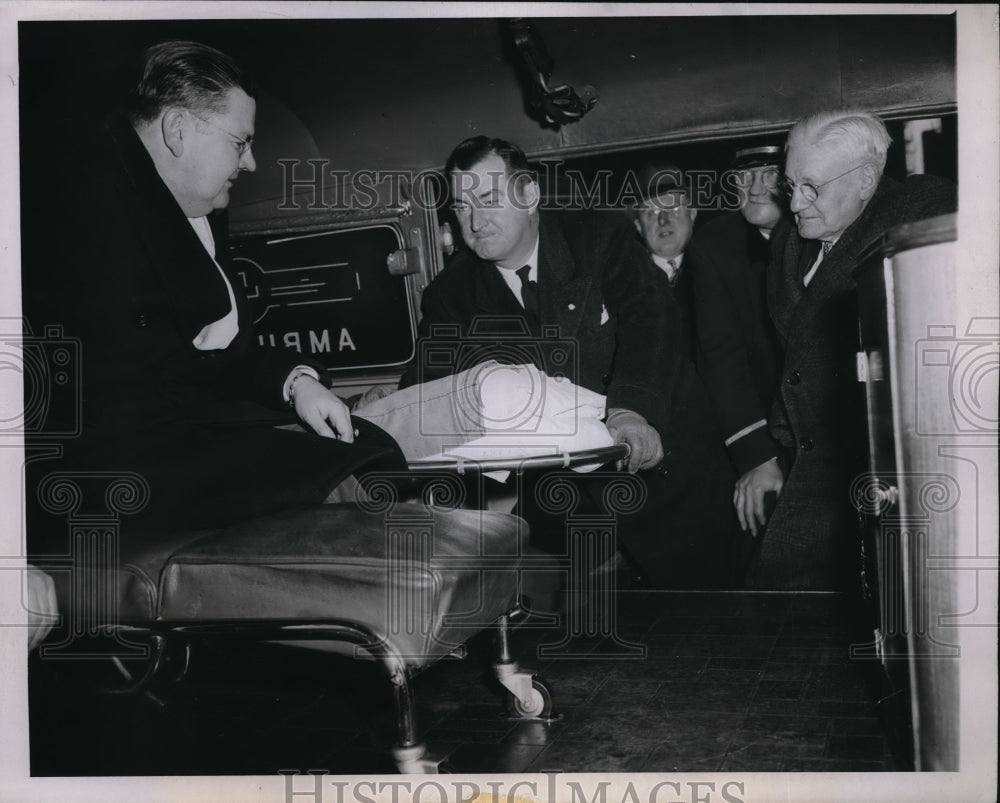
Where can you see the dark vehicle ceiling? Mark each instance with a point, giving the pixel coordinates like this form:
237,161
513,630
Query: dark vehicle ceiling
398,94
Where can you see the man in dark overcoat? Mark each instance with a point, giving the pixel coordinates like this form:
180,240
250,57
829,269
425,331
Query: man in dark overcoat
841,202
738,353
665,223
173,386
532,283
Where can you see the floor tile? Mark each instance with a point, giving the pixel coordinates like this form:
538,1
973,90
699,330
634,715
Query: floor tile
624,723
836,765
777,745
852,746
838,683
742,663
779,689
618,692
777,706
855,726
691,752
617,757
658,669
786,670
738,676
733,682
695,697
753,647
501,758
786,725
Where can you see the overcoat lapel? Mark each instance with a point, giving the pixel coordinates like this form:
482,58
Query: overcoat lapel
181,263
493,295
783,303
833,279
562,290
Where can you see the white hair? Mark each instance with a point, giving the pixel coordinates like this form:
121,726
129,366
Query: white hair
854,129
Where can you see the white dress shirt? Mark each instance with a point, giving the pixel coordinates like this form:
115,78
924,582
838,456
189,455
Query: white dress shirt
824,247
219,334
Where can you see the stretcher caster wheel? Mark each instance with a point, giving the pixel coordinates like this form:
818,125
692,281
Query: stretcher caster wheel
536,704
166,665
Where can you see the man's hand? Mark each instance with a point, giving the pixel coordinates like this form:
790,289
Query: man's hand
42,608
322,410
748,498
627,426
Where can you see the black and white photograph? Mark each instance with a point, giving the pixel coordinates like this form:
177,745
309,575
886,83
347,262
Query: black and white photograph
522,402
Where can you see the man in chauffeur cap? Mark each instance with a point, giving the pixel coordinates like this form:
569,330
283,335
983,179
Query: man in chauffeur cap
739,356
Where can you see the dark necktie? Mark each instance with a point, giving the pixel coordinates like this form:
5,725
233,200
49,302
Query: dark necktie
529,294
673,273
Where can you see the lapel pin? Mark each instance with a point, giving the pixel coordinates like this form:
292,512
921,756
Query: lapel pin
572,306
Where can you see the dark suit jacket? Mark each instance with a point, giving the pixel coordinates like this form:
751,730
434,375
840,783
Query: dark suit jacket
738,353
598,297
682,292
128,276
818,417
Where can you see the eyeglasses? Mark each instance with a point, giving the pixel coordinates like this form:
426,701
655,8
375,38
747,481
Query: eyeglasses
810,192
657,209
769,177
242,145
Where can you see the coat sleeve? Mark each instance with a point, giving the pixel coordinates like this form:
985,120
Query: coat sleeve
724,365
437,315
646,369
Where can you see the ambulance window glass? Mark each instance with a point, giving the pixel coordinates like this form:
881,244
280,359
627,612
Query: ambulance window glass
329,295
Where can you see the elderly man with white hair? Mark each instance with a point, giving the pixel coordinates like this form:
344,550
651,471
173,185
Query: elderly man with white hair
841,202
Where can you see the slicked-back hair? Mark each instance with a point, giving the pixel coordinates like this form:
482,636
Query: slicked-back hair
188,75
859,131
472,151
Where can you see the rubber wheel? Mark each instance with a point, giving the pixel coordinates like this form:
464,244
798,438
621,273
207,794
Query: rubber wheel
167,664
539,706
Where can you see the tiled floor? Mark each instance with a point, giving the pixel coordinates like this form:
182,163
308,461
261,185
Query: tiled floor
740,682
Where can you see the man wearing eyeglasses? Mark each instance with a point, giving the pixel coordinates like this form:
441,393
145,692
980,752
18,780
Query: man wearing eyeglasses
665,223
704,526
841,202
174,387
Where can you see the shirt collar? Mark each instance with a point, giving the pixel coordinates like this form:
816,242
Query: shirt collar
510,274
661,263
